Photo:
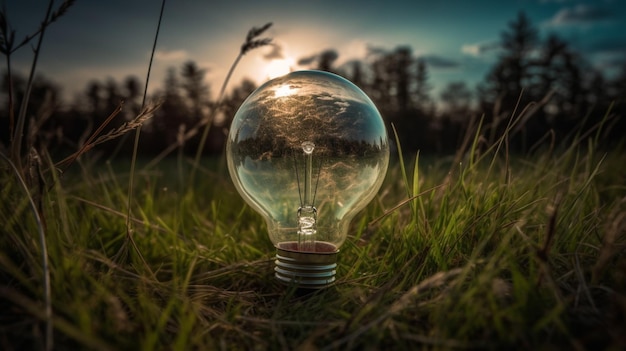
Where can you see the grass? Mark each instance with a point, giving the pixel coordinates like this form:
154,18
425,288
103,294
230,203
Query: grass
481,250
529,255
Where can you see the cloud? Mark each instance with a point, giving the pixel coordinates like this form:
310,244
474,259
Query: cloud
353,50
580,14
608,46
607,54
478,49
275,54
305,61
436,61
372,50
170,55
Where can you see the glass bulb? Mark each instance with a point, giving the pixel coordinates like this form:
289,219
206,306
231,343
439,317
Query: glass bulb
308,151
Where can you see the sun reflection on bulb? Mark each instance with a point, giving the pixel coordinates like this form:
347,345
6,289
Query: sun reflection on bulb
284,90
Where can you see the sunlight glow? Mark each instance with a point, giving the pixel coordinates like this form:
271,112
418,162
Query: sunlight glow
279,67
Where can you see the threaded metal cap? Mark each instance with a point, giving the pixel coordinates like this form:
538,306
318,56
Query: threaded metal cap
308,269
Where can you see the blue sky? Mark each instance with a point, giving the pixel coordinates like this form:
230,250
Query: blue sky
102,39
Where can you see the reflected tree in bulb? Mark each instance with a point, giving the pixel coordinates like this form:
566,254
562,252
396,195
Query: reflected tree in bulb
307,150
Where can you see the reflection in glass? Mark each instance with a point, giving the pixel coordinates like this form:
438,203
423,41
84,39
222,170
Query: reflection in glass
308,151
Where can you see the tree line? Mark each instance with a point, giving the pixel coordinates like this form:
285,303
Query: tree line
548,88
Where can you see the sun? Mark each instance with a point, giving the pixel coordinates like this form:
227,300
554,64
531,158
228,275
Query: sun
278,67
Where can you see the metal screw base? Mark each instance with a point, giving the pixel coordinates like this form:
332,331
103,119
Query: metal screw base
310,270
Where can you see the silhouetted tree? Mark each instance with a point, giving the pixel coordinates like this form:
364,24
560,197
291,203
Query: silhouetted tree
228,108
174,115
513,71
196,91
131,94
401,69
94,97
112,95
618,86
618,94
422,87
380,87
356,75
323,61
400,89
457,98
558,72
44,102
233,101
327,59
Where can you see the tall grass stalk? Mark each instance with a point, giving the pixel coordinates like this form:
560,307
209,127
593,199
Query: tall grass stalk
16,143
131,179
43,246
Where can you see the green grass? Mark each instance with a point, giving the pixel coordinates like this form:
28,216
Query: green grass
483,250
499,253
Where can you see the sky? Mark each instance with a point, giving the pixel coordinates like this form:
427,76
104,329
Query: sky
98,40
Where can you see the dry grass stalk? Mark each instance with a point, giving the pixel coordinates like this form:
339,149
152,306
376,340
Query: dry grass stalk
142,117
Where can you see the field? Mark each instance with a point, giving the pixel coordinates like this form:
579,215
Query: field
495,252
480,249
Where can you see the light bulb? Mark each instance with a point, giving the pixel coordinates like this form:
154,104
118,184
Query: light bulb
307,151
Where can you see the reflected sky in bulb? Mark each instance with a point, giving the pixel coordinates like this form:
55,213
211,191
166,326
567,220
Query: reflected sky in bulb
349,160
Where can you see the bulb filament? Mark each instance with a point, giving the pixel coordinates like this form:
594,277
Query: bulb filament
307,213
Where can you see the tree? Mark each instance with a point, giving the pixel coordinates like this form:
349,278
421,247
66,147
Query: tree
112,93
173,113
457,98
131,94
196,90
422,87
227,109
380,87
323,61
326,60
617,95
356,75
94,97
510,80
513,70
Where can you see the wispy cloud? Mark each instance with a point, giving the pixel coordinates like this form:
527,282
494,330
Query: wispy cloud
170,55
478,49
436,61
305,61
353,50
275,54
607,54
608,46
578,15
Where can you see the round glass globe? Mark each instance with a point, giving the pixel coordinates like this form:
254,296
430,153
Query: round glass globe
308,150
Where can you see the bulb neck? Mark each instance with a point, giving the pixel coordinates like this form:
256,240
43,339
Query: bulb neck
308,269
